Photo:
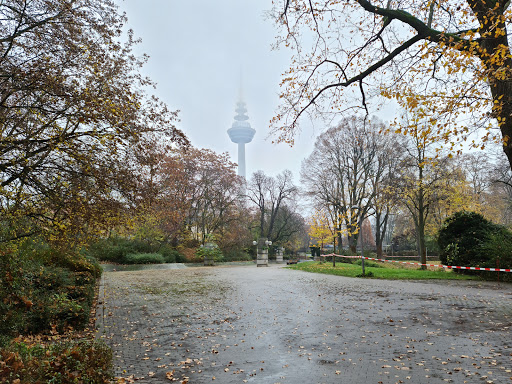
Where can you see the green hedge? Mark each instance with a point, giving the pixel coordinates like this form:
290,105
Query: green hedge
117,249
236,255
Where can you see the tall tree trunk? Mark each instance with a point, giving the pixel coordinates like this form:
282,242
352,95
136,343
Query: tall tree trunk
379,249
352,241
420,222
492,20
378,235
420,229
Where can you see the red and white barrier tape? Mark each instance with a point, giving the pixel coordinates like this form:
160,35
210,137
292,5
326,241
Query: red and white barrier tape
428,265
410,257
346,257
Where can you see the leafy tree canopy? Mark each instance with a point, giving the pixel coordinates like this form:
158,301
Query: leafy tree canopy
72,102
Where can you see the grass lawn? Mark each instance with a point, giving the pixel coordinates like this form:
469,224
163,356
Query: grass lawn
381,271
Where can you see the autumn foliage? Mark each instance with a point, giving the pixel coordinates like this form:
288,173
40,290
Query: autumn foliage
72,104
449,60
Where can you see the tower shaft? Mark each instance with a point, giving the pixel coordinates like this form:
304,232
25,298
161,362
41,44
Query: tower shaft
241,159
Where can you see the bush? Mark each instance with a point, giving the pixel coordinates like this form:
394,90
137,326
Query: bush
468,239
87,362
170,254
15,294
68,260
144,258
60,299
213,253
190,255
236,255
42,288
104,250
115,249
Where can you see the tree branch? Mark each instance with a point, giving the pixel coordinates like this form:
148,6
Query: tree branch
362,75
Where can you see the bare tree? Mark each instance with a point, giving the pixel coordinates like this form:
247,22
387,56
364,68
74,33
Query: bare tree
420,185
213,191
347,169
270,194
289,227
385,198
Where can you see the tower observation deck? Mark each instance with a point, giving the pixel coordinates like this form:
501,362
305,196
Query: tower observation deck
241,133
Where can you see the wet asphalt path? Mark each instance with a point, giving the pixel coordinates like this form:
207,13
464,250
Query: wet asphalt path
274,325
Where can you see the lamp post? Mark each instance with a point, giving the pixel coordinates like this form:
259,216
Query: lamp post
360,234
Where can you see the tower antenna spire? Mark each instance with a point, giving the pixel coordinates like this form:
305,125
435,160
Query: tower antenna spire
241,86
241,133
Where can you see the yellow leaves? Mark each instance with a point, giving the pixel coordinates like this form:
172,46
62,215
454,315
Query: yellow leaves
412,102
320,228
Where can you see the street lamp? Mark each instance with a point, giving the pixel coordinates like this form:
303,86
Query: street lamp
268,243
262,254
360,234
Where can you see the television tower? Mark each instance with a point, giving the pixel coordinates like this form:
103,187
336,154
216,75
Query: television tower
241,133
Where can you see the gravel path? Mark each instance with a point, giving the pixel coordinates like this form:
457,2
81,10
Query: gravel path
274,325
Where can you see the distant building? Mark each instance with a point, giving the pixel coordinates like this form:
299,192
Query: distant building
367,235
241,133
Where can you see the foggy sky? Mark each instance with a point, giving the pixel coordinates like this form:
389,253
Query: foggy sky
200,53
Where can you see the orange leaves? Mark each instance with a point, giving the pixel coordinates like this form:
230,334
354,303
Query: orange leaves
170,376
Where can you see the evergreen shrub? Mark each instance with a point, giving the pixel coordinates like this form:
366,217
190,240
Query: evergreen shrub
170,254
116,250
236,255
468,239
214,253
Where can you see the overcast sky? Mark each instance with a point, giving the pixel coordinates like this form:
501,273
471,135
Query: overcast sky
200,51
